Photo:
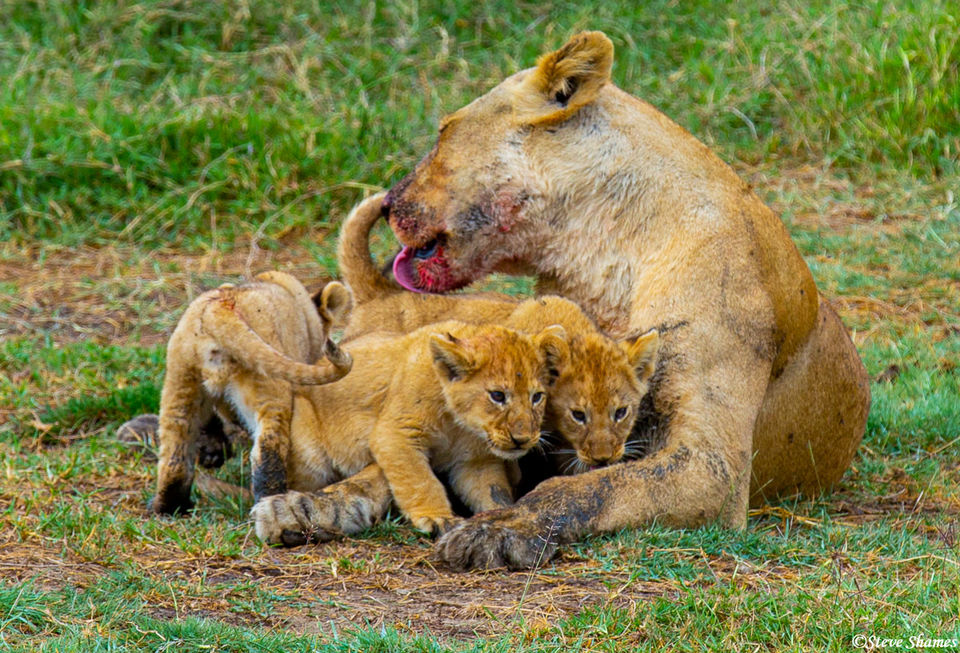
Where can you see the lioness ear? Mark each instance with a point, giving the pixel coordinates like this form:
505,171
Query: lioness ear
568,78
334,301
452,360
552,341
642,353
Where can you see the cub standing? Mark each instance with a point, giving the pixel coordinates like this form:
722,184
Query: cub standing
237,350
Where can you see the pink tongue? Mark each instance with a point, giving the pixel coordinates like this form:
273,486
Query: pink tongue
403,270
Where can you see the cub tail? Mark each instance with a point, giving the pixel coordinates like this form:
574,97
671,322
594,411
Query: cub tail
353,252
223,322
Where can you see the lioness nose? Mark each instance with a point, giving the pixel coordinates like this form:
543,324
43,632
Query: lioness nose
387,203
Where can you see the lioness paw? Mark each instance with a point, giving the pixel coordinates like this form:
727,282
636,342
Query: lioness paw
496,539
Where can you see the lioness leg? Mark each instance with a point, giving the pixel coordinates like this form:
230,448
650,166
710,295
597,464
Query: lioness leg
813,416
344,508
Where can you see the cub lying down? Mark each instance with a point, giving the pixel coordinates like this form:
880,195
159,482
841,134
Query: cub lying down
450,397
237,350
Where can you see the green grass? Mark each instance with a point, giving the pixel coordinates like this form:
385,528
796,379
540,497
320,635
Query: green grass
191,122
152,149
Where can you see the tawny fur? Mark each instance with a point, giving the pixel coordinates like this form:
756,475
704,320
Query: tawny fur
558,173
413,404
239,350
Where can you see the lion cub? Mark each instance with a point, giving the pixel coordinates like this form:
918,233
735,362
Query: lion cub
592,404
238,350
451,397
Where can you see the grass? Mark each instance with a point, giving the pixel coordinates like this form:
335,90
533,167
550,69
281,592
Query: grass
193,123
149,150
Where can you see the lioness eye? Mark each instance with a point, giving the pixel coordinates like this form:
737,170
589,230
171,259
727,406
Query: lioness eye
497,397
620,414
579,416
536,398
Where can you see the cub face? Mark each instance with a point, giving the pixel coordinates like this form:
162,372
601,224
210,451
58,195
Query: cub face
507,159
593,403
494,382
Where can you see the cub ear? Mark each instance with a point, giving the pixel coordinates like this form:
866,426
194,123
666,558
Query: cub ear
335,302
552,341
568,78
642,353
450,357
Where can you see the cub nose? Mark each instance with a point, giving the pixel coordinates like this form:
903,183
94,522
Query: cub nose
520,440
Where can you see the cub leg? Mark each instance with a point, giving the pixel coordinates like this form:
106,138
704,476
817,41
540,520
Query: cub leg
482,484
344,508
184,408
418,492
215,442
266,408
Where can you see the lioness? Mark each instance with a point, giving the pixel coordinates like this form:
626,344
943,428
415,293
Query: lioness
237,350
557,172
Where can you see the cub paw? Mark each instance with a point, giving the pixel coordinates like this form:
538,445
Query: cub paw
499,538
295,518
290,519
140,433
435,525
172,501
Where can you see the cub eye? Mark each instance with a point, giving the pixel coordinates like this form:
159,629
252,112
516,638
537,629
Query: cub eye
497,397
536,398
620,414
579,416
